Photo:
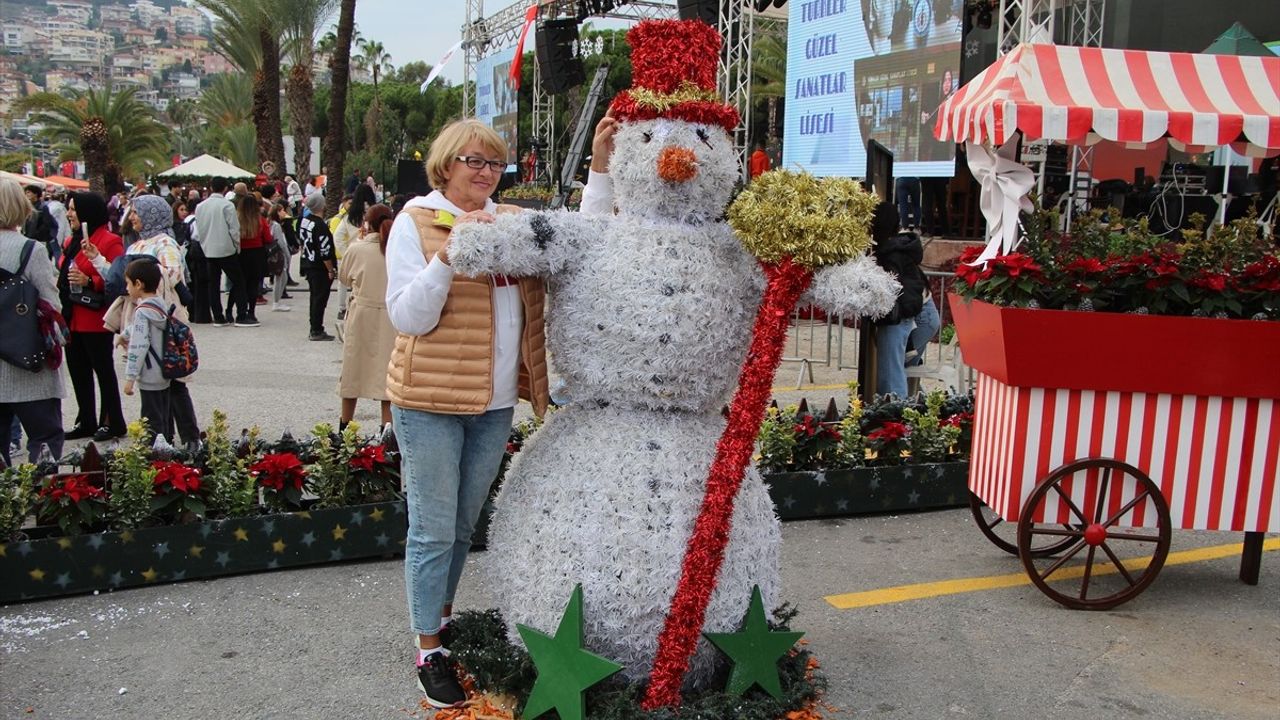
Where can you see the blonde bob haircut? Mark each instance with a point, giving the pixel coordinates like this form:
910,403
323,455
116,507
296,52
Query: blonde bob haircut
449,143
14,206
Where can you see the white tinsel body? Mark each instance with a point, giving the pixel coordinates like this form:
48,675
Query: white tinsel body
607,497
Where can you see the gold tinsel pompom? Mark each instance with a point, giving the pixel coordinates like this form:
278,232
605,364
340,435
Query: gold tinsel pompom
813,221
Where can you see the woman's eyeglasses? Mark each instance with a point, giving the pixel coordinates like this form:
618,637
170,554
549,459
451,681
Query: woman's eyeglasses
478,163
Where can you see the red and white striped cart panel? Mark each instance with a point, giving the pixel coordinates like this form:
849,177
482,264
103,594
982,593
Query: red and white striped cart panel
1216,459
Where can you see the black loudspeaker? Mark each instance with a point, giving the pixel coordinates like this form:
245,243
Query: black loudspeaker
411,178
558,65
708,11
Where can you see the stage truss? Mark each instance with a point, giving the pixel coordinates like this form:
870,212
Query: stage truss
1034,21
483,35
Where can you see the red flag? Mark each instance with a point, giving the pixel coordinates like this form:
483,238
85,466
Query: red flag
68,169
177,160
529,16
39,168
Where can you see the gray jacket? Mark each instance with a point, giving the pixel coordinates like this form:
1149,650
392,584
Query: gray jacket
18,385
217,227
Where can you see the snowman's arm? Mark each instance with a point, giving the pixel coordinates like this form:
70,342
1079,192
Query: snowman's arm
857,288
526,244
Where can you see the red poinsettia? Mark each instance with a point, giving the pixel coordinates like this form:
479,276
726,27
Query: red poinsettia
71,487
957,420
1086,266
889,431
369,458
74,502
175,476
1016,265
279,472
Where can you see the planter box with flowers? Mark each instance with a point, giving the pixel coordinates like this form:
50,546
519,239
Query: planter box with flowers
146,515
895,455
1112,306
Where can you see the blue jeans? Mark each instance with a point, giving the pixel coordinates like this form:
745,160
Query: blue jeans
906,190
449,463
927,325
891,350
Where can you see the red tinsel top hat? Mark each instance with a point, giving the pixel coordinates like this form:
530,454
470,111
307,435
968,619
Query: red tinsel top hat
673,75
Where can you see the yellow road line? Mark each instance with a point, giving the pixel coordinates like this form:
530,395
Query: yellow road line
919,591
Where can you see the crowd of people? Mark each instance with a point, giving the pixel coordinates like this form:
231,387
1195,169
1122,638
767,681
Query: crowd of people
220,251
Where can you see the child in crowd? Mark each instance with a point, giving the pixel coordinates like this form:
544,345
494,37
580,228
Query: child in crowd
142,362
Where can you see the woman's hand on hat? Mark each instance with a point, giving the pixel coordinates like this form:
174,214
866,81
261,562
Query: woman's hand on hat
602,142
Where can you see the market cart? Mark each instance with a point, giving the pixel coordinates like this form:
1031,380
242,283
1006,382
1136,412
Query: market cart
1098,454
1099,433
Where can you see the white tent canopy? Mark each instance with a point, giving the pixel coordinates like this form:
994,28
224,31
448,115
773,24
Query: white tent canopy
207,166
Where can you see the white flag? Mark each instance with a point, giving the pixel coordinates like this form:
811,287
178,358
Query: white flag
439,67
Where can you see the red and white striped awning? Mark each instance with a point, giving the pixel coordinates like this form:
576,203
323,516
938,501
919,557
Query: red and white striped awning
1079,95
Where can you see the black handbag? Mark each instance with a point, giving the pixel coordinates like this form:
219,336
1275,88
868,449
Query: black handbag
87,297
23,344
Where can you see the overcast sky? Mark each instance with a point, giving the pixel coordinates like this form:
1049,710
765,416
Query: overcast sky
418,30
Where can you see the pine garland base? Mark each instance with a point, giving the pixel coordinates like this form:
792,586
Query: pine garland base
499,677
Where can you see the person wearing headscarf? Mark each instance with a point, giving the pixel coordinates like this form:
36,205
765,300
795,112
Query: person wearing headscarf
88,352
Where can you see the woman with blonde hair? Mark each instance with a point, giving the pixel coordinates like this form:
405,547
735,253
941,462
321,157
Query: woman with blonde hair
468,349
366,349
34,398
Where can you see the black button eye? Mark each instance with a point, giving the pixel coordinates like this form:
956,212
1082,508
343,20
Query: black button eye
704,137
647,136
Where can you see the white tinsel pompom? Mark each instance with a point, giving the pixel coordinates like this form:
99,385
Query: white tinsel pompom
857,288
607,497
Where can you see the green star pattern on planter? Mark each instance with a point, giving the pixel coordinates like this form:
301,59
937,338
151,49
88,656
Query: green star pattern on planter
565,670
754,650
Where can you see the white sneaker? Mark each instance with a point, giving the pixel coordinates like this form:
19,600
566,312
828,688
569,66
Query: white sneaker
280,307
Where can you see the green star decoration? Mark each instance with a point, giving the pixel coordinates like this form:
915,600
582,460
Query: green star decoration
565,670
755,650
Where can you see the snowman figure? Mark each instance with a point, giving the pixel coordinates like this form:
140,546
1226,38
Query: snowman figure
649,316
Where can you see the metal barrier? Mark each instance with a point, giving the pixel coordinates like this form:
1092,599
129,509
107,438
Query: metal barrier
805,340
834,343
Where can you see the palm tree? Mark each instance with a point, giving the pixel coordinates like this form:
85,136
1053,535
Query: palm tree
303,18
185,123
115,133
247,34
375,58
333,150
237,144
227,100
769,73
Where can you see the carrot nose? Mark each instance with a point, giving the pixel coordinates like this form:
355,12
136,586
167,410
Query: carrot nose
677,164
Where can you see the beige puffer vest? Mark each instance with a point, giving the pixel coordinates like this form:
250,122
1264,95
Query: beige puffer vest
450,369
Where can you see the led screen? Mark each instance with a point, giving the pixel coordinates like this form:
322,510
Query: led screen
870,69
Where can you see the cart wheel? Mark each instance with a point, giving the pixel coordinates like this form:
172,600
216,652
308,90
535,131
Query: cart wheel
1135,554
1005,537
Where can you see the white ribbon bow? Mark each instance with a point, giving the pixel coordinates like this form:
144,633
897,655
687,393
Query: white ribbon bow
1005,185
